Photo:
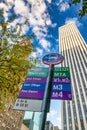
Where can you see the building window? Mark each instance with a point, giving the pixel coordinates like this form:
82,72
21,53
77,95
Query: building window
65,128
82,124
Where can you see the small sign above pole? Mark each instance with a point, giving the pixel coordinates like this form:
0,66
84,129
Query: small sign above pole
53,59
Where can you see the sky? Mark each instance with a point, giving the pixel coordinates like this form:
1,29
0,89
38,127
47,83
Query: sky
44,17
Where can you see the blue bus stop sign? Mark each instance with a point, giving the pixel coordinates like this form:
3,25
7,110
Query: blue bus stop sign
53,59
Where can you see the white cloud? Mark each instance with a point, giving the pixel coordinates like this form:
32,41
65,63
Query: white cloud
53,25
37,29
20,8
39,19
48,22
52,113
75,20
39,51
10,1
45,44
33,54
37,15
58,121
49,1
54,118
39,34
38,9
63,7
2,5
6,8
24,29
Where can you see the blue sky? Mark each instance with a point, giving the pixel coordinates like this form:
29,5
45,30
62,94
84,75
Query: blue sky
44,18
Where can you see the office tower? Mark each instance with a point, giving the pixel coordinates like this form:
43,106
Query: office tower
48,125
74,50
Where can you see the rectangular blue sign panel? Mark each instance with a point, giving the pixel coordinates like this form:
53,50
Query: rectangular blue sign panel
33,86
61,87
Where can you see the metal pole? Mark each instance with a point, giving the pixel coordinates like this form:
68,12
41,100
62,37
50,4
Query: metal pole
46,100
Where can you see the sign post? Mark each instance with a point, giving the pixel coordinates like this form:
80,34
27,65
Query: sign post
32,91
46,99
51,60
43,84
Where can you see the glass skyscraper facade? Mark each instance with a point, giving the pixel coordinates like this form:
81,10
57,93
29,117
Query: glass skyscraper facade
74,50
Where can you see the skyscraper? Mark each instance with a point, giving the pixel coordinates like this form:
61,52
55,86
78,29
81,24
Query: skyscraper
74,50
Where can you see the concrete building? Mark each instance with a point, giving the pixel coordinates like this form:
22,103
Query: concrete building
56,128
74,50
48,125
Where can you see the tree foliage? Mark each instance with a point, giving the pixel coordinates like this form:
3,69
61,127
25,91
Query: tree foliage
83,10
14,51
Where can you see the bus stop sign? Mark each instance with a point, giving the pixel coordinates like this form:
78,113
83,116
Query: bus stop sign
53,59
